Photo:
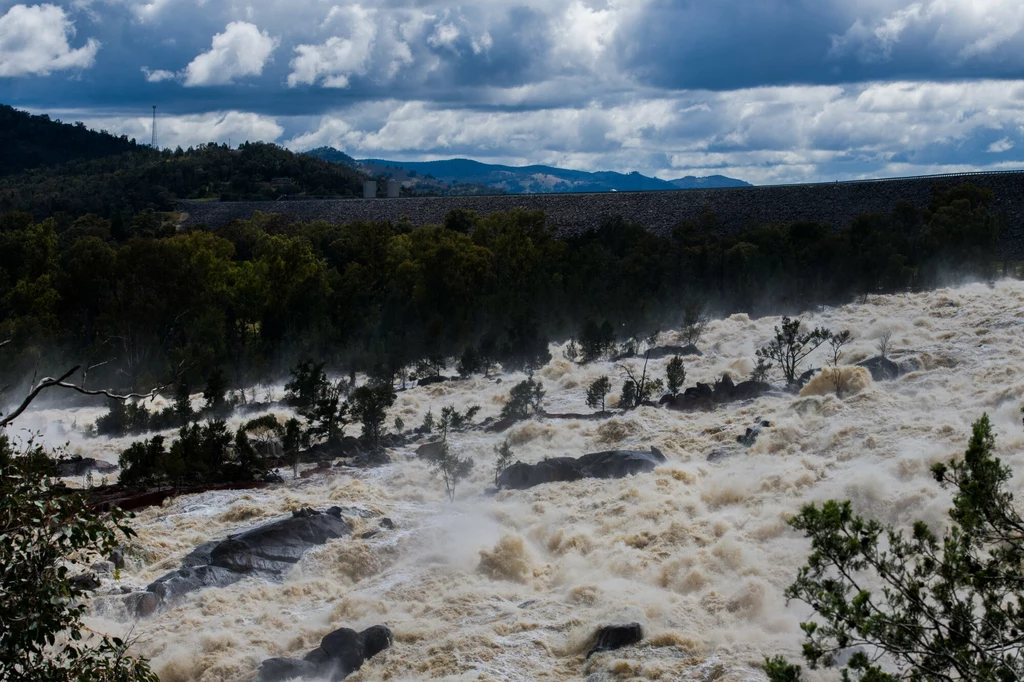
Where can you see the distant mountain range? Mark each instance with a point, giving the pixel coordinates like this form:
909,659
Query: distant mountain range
443,175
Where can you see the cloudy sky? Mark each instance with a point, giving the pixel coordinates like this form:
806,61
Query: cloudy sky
764,90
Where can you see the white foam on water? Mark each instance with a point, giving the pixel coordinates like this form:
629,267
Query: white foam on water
512,587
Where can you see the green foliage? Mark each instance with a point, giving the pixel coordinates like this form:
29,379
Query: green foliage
940,608
48,533
676,375
307,385
370,406
264,293
597,391
451,468
695,322
428,421
595,341
453,420
790,347
638,388
504,458
469,363
202,453
524,399
761,370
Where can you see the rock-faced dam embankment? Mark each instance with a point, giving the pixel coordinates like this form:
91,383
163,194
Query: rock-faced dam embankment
734,208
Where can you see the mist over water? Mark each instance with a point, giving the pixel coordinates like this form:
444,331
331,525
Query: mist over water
512,587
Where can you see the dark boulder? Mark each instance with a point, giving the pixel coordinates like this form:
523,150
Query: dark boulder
80,466
611,464
281,669
613,637
370,458
430,381
340,654
881,368
429,450
807,376
705,397
85,581
269,550
670,351
750,437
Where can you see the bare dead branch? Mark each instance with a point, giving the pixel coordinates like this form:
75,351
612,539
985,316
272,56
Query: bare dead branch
61,382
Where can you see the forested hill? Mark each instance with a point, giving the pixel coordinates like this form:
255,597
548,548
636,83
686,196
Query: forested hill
38,142
144,180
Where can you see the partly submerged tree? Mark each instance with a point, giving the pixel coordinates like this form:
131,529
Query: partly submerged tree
504,459
450,467
524,399
597,391
918,607
790,347
676,374
370,406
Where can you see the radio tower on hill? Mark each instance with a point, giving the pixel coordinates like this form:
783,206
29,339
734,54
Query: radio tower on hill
153,143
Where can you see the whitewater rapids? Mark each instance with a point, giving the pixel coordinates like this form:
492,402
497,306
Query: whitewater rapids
511,587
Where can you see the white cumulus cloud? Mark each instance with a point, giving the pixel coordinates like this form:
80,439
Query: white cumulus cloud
34,42
1000,146
241,50
190,130
157,76
336,60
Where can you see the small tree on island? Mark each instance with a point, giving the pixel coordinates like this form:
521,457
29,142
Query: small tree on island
370,406
789,347
504,460
524,399
597,391
451,468
676,375
945,608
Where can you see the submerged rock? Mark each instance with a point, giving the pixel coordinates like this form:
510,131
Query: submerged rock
881,368
669,351
613,637
269,550
340,654
611,464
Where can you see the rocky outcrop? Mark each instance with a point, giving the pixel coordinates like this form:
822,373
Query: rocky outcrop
80,466
611,464
340,654
430,381
268,550
706,397
429,450
670,351
881,368
612,637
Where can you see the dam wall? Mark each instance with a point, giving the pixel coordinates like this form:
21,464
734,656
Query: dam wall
660,211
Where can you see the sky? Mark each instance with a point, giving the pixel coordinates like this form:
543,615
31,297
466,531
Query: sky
770,91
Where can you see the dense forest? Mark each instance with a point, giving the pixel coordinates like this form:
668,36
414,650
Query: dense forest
37,141
256,296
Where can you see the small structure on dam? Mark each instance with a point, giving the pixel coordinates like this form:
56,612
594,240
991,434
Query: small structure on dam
734,208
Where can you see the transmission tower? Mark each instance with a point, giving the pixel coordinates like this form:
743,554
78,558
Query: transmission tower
153,143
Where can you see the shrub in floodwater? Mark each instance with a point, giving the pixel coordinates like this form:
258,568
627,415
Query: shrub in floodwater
597,392
504,461
451,468
789,347
676,375
524,399
370,406
695,322
946,609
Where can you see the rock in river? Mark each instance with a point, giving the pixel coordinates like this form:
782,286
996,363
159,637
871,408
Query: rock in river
340,654
612,464
269,550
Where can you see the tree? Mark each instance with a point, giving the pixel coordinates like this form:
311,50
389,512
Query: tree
944,608
760,371
524,399
504,459
370,406
46,535
835,347
469,363
306,385
595,341
453,420
790,347
695,322
293,440
215,391
638,389
676,375
883,344
597,391
451,468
